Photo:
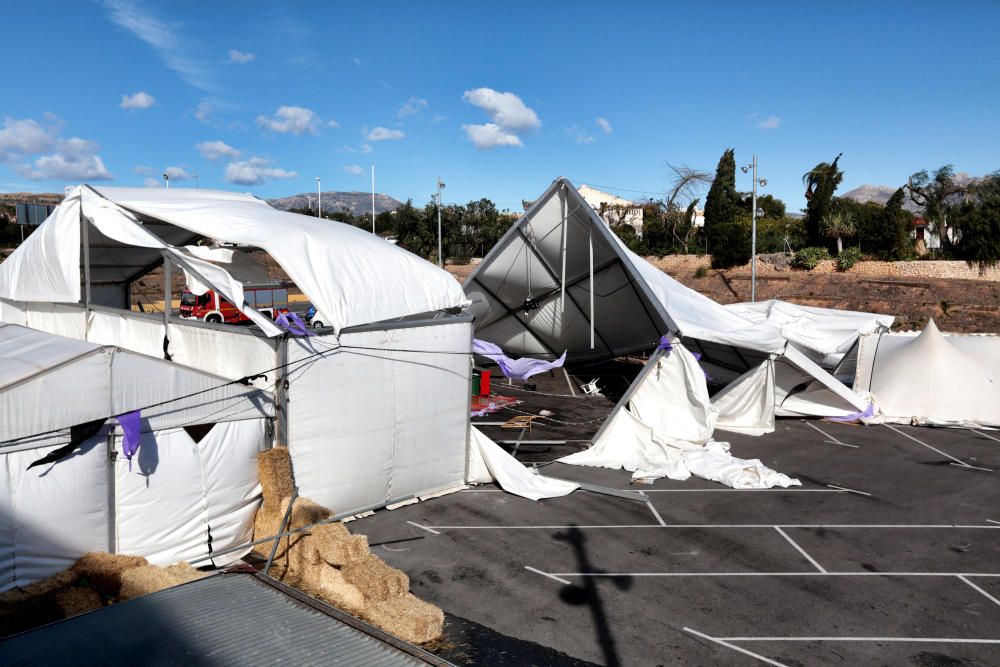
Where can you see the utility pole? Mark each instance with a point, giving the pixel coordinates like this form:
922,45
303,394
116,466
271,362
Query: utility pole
373,200
166,179
754,214
440,187
319,198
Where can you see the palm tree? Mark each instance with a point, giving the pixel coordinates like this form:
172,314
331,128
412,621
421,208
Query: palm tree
821,182
837,225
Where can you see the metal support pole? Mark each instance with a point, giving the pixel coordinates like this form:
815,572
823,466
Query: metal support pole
168,290
319,198
592,326
440,255
373,199
284,522
753,242
85,238
565,226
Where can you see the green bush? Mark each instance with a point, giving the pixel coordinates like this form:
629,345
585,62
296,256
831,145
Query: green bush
848,258
809,258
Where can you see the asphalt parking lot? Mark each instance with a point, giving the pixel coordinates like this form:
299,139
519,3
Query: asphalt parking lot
888,554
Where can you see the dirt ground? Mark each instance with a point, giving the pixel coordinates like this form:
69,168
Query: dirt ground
964,306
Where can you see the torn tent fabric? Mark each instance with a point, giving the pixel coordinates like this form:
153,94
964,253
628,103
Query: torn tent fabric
131,423
488,462
665,430
515,369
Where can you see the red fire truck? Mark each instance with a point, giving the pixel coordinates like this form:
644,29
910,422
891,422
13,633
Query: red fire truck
213,307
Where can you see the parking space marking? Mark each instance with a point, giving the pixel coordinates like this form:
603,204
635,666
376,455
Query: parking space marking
846,490
832,440
985,435
941,526
802,551
987,575
744,651
919,640
423,527
992,521
546,574
958,462
988,596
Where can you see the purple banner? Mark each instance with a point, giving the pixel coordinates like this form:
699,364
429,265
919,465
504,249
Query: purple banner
515,369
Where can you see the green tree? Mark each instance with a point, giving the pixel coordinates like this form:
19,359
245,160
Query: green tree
936,194
839,225
821,182
977,223
722,210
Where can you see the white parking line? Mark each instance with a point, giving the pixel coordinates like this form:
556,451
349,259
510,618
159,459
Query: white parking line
423,527
992,521
988,596
546,574
652,509
710,525
846,490
935,449
832,440
921,640
985,435
800,550
988,575
722,642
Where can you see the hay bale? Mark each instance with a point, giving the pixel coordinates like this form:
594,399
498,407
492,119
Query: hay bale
304,513
34,604
332,587
104,570
407,617
77,600
375,579
336,546
274,467
150,579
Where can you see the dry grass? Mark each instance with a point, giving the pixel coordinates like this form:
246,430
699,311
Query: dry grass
104,570
148,579
75,600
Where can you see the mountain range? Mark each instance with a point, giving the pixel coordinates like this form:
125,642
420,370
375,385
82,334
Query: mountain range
880,194
358,203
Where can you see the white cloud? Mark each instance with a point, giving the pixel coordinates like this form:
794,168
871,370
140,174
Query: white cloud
144,171
240,57
163,38
579,136
204,111
438,118
383,133
178,174
73,160
141,100
506,109
356,61
769,123
24,137
412,107
213,150
604,124
68,159
151,182
353,169
254,171
490,135
292,120
363,149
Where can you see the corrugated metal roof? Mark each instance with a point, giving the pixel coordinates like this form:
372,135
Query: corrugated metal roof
228,619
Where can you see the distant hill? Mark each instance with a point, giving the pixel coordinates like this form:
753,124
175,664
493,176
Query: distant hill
880,194
46,198
358,203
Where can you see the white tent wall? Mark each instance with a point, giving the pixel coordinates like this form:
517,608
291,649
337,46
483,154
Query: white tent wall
747,404
51,515
371,426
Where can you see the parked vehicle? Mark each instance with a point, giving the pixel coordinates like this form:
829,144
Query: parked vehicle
315,319
213,307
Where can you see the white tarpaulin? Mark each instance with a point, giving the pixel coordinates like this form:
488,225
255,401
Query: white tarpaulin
747,404
488,462
350,275
663,428
931,378
178,499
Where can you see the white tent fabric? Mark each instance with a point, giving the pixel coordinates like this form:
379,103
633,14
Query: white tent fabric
747,405
177,499
488,462
663,428
933,379
325,259
826,331
561,280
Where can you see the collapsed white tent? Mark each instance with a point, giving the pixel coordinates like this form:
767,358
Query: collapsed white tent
559,279
932,378
374,412
190,490
663,425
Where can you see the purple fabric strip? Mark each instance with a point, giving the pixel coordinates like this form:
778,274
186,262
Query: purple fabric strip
867,413
293,324
515,369
131,423
664,345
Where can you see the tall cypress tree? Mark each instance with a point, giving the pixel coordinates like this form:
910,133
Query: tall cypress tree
722,208
821,182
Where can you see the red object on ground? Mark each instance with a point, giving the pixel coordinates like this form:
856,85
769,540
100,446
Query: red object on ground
484,383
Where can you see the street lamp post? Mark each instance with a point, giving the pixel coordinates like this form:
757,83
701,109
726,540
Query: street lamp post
319,198
440,187
754,214
166,179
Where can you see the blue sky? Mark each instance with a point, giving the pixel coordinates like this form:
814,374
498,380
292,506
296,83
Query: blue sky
497,99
